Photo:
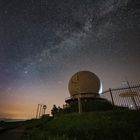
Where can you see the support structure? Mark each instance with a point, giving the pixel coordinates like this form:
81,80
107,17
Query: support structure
79,105
40,110
37,111
111,96
44,109
132,97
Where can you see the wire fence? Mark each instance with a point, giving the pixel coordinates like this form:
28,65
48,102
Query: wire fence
125,97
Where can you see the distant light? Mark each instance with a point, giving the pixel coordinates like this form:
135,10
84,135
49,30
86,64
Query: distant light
131,106
101,88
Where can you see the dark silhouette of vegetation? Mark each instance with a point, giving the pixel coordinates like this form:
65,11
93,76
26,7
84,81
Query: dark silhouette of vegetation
106,125
57,110
91,105
66,124
54,110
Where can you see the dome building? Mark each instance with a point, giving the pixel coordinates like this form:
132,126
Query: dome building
84,88
85,84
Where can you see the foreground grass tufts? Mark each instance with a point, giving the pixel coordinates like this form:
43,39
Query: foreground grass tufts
114,125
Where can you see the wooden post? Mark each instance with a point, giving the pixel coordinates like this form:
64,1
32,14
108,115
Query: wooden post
40,110
37,111
79,104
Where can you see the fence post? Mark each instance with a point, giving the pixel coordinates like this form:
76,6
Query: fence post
111,96
133,99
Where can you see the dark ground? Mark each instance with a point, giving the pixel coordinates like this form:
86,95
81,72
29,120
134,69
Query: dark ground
12,134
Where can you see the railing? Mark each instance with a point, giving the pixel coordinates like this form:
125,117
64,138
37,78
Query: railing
126,97
82,95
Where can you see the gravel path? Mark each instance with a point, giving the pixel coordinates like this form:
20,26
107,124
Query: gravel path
12,134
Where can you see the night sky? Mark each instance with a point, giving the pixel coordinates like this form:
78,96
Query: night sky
44,42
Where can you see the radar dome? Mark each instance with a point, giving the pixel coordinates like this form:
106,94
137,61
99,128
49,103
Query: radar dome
84,82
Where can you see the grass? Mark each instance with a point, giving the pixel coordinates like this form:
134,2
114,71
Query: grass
111,125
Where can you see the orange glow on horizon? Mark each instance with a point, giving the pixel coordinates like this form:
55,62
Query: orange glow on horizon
21,103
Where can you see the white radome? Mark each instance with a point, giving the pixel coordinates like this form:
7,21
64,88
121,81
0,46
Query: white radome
84,83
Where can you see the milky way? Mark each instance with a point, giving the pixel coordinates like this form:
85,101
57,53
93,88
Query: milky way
43,42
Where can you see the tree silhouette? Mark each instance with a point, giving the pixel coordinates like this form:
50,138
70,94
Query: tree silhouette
54,110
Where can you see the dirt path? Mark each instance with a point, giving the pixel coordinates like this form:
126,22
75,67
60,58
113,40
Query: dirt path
13,134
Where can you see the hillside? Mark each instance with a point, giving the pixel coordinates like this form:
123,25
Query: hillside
111,125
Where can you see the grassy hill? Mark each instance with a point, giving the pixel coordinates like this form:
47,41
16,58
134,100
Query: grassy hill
109,125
